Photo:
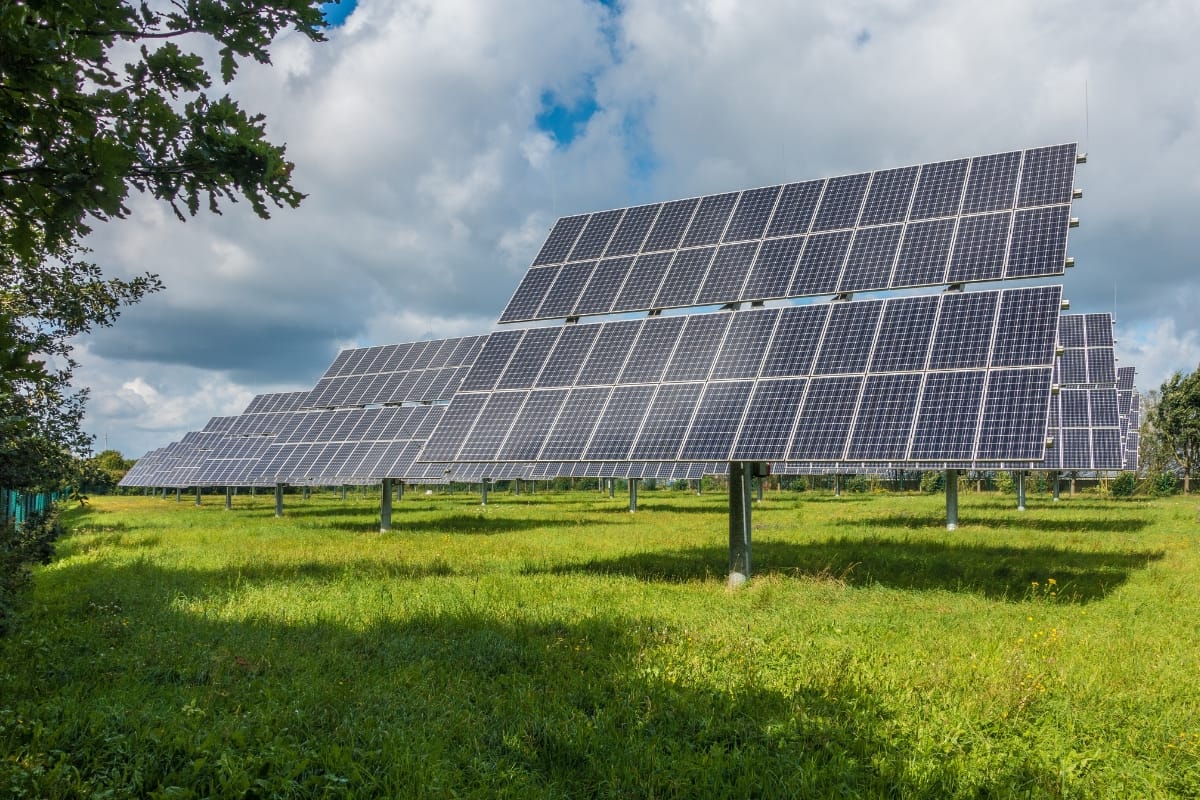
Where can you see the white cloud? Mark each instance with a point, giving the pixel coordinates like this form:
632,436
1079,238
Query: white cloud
430,187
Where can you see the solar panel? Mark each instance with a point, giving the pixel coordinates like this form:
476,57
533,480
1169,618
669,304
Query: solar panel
837,383
992,217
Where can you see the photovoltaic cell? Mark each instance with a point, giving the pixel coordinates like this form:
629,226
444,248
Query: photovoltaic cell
710,219
669,227
716,421
642,284
528,358
745,344
701,337
939,189
618,426
889,197
767,428
666,422
824,421
872,256
567,357
529,295
821,263
904,334
575,423
885,417
841,202
846,345
1101,366
979,248
595,236
530,426
1015,402
492,360
774,265
653,349
924,253
684,277
992,184
964,331
947,416
561,239
727,273
1026,326
602,289
793,214
609,353
796,338
564,294
628,238
1046,176
753,211
1098,328
1039,241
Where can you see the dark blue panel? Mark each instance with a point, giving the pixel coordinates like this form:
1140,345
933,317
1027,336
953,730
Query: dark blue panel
924,253
529,294
774,266
848,338
1071,331
821,264
492,426
709,222
872,256
716,422
948,416
1015,415
905,333
422,356
963,337
455,424
608,355
1103,403
397,353
767,428
796,338
1039,242
667,422
889,197
684,277
439,358
841,202
632,231
1099,329
564,294
669,227
575,423
1047,176
727,274
1074,408
979,248
939,189
1072,367
992,183
653,350
602,289
642,284
620,422
753,210
532,424
529,358
1101,365
694,354
351,365
491,361
795,208
885,417
565,361
1106,449
1028,323
561,239
595,235
1076,449
824,423
745,345
1125,380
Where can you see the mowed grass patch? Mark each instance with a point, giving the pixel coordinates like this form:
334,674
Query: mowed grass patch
556,645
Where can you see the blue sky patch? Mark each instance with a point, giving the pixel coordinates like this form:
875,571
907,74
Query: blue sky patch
336,13
565,122
862,38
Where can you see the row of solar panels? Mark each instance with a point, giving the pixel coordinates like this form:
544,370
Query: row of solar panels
277,440
988,218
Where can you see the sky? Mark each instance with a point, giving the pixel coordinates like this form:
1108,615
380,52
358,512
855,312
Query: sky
438,141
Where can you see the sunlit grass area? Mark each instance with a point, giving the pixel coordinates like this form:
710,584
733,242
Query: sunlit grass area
556,645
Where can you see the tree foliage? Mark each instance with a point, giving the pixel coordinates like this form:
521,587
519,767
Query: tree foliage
99,98
1175,418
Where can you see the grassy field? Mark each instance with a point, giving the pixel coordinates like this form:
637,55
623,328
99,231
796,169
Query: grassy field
556,645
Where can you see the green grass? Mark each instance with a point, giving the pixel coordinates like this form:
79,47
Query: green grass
556,645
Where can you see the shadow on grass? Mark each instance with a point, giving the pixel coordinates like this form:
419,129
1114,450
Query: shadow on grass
473,704
1028,520
998,573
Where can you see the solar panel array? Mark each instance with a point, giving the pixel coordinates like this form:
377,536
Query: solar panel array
993,217
411,372
957,376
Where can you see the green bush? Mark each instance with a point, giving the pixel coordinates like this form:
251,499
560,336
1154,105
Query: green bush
933,482
860,484
21,547
797,484
1164,484
1124,485
1004,483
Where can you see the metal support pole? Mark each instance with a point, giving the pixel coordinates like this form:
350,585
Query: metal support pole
177,492
612,487
343,492
306,491
483,489
517,486
197,495
228,497
1055,479
279,499
739,524
399,490
951,499
837,485
699,487
385,508
1020,490
633,484
760,489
